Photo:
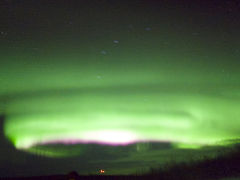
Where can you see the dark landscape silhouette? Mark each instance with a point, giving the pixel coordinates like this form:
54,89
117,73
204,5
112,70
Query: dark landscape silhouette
217,168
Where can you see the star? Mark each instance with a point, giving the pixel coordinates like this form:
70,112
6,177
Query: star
148,29
103,52
99,77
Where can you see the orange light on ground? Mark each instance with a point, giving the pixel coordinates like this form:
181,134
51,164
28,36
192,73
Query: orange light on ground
102,171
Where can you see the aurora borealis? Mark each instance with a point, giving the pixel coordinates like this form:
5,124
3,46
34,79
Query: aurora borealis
119,76
123,115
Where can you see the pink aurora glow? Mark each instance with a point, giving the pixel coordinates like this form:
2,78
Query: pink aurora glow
80,141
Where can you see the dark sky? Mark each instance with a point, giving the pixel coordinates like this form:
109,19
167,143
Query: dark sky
159,80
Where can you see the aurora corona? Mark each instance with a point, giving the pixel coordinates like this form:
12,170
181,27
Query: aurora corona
120,116
149,99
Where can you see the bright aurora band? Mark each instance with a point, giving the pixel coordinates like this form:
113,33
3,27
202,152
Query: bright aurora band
120,83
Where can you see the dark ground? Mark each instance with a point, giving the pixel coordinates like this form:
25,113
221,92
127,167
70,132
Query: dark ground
219,168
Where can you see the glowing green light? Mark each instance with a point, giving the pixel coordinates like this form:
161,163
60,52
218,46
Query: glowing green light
122,118
187,146
135,100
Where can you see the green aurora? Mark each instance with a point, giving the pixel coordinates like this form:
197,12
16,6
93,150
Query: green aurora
119,102
115,78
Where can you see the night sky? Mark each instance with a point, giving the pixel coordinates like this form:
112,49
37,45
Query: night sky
116,85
